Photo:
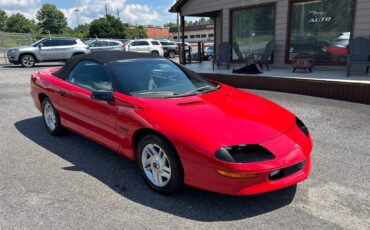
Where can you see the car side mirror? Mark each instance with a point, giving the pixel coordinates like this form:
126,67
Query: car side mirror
102,95
40,46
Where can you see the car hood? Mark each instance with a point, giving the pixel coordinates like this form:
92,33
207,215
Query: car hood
227,116
23,48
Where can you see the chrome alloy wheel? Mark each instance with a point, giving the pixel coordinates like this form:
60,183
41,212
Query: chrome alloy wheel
28,60
156,165
49,116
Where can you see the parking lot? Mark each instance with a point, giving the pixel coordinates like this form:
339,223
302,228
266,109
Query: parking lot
71,182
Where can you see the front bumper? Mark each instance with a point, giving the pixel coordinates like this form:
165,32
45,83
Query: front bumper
292,148
13,57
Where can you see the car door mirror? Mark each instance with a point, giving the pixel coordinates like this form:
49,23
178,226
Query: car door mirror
102,95
40,46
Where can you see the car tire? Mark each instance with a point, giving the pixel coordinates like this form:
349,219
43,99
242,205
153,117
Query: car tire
51,118
159,164
155,52
171,54
28,60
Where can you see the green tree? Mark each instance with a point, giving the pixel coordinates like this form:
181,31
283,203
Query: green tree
17,23
170,25
137,32
3,18
35,29
83,29
51,19
107,27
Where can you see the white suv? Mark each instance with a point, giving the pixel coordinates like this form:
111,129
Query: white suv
145,46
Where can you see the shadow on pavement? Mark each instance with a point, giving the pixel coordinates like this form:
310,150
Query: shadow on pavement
122,176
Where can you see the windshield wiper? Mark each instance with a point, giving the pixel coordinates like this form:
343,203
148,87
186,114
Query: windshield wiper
205,88
166,93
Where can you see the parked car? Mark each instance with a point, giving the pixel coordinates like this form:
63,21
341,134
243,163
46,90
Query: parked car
338,49
170,48
208,54
179,127
308,44
105,44
47,50
187,47
145,46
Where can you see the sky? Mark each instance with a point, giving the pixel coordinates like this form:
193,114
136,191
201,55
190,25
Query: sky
144,12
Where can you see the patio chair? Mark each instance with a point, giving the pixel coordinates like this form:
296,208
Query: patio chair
359,51
264,57
237,51
222,55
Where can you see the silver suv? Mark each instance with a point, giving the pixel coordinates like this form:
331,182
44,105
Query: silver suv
145,46
47,50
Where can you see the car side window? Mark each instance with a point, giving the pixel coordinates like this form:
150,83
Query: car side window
92,44
155,43
113,44
91,76
50,42
66,42
143,43
102,43
134,44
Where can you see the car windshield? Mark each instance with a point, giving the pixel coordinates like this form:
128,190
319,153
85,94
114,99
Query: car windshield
157,78
38,42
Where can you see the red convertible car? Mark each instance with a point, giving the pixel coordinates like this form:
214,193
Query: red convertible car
179,127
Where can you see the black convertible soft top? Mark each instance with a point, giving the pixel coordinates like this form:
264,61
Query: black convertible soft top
101,57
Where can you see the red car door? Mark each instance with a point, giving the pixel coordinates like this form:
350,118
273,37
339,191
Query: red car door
90,117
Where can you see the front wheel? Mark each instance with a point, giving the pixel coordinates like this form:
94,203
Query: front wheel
159,164
171,54
51,118
28,60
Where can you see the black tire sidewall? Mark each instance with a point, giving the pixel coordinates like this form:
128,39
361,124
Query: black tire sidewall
58,128
171,54
176,180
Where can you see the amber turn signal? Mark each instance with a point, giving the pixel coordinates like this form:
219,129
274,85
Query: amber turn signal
236,175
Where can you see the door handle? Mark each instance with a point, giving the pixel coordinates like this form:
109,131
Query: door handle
62,93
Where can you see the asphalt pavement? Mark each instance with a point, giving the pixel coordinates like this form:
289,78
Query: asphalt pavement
71,182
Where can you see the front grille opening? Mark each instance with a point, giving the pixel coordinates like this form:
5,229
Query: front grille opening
286,171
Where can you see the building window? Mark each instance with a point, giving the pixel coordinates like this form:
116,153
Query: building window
192,36
252,29
322,29
203,35
175,37
197,36
210,35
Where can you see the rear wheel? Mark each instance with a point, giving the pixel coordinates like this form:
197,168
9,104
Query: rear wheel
159,164
28,60
171,54
51,118
155,52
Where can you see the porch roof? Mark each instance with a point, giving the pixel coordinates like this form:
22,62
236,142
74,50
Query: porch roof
176,8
